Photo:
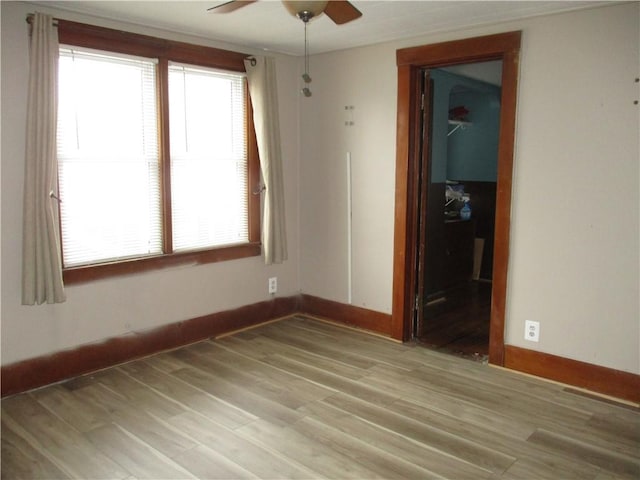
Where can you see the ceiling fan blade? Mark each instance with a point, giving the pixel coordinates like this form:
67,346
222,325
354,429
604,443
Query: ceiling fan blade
230,6
341,11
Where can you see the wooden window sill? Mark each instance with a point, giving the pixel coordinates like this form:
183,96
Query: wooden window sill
87,273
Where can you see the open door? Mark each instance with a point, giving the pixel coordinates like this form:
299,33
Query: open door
423,204
458,165
409,157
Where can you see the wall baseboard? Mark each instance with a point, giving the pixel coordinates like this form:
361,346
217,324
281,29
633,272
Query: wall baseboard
37,372
348,314
40,371
599,379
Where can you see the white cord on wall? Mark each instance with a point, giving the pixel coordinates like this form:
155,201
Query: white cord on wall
349,226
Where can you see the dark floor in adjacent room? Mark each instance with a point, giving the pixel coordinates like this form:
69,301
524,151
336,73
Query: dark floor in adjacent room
459,324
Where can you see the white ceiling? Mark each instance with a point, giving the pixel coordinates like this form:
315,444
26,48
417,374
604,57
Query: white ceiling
267,25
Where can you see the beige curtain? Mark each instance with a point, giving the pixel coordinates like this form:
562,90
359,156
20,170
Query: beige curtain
41,261
261,76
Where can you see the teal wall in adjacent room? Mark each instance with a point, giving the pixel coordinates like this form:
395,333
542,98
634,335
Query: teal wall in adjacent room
443,82
471,152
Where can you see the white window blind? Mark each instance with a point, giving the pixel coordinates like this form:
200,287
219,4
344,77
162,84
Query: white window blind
208,157
108,157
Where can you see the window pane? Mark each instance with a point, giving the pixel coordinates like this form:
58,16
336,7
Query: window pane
208,158
108,157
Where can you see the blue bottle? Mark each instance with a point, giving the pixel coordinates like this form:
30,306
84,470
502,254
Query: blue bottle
465,212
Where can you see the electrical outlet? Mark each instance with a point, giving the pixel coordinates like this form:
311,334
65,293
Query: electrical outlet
531,330
273,285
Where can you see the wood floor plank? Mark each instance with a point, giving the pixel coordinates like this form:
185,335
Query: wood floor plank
479,455
500,378
134,391
239,397
165,362
133,454
339,331
206,463
611,462
153,431
601,399
262,347
330,380
383,350
259,377
517,406
622,436
607,476
517,410
464,409
385,465
482,433
263,462
320,349
79,382
302,399
505,399
528,468
546,458
20,460
620,424
79,414
617,442
67,448
438,463
187,395
135,419
317,457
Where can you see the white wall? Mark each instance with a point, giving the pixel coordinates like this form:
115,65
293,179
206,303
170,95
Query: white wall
113,307
575,215
366,80
574,239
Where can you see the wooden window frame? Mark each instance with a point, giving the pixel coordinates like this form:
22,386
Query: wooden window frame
100,38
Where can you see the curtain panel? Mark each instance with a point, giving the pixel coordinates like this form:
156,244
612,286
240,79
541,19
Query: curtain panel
261,77
42,257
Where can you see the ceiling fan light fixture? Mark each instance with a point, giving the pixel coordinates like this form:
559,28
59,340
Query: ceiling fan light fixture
305,10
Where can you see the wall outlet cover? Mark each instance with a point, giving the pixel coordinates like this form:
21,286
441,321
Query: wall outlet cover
532,331
273,285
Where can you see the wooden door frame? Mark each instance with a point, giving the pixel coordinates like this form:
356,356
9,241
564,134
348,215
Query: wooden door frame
410,62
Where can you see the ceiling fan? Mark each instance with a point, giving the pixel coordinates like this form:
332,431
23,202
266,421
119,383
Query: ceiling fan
340,11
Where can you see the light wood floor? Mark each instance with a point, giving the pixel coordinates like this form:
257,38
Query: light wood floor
305,399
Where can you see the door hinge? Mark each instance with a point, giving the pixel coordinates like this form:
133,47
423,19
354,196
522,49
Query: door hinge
417,303
422,102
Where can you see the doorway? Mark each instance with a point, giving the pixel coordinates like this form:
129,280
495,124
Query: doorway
456,213
411,62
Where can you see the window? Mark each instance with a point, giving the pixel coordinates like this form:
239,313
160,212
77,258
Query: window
208,157
108,158
156,154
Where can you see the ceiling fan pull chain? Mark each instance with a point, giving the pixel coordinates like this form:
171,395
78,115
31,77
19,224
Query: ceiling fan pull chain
306,53
305,76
